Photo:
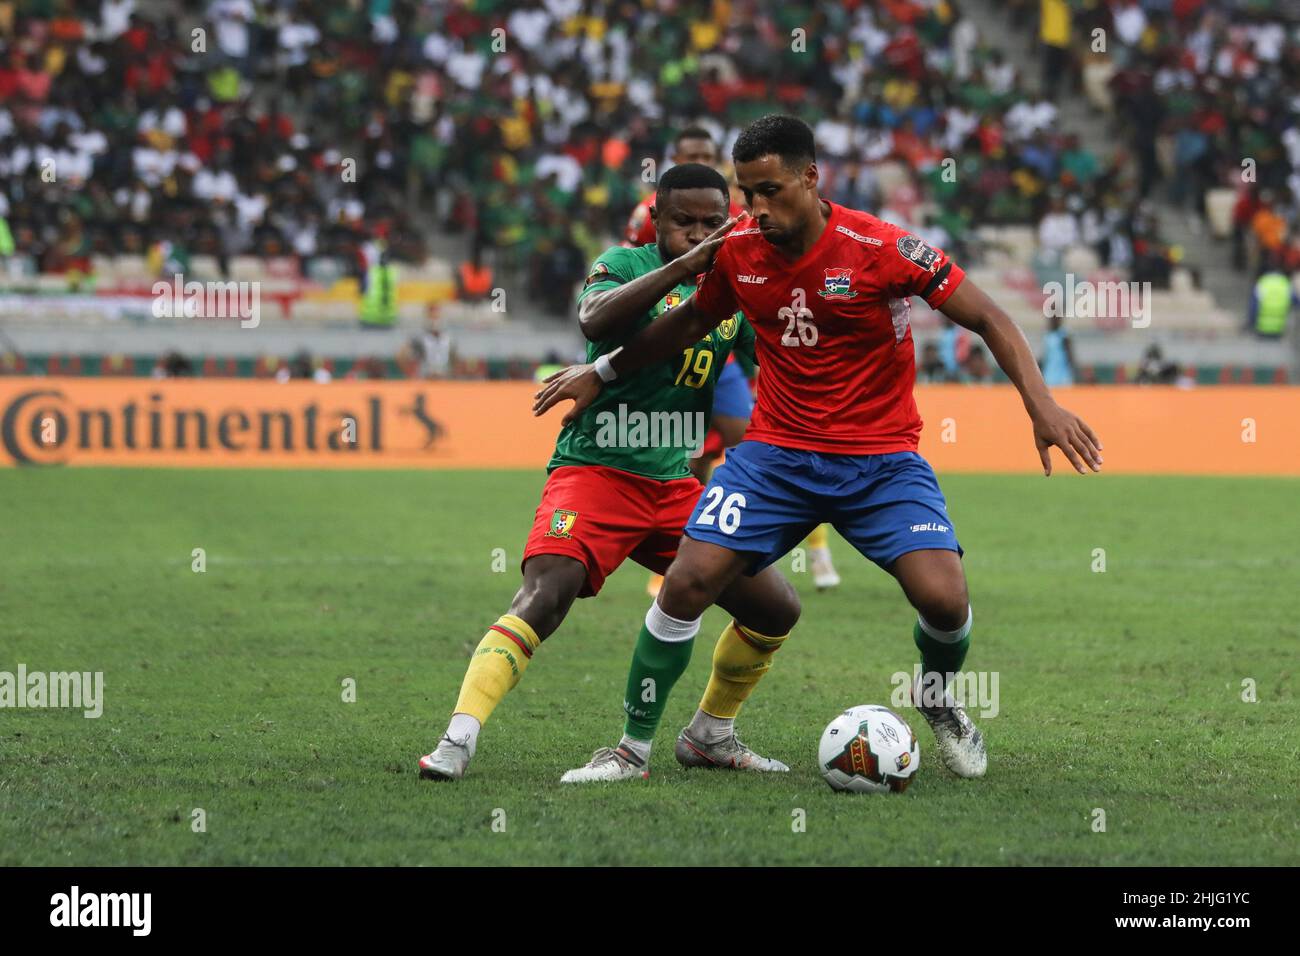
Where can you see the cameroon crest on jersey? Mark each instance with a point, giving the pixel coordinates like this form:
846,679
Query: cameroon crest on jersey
562,523
671,300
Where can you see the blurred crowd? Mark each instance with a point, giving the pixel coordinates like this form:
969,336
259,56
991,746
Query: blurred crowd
916,118
223,128
529,128
1204,94
515,137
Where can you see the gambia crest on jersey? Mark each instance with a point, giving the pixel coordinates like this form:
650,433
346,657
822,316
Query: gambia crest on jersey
837,285
562,523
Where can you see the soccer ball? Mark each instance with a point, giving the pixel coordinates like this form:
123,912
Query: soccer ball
868,749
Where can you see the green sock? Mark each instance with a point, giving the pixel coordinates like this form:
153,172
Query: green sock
941,656
656,665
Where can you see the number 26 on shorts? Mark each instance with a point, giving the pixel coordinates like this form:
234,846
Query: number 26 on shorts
728,516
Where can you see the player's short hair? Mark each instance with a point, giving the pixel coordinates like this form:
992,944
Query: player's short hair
692,132
776,135
690,176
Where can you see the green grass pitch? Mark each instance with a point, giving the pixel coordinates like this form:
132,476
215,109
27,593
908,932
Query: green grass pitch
224,689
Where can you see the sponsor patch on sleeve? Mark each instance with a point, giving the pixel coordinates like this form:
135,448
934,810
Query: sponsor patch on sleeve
914,250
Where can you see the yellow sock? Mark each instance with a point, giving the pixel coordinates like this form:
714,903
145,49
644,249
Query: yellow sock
740,659
819,537
497,664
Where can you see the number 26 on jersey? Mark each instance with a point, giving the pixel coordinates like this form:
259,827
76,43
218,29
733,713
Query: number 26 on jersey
799,329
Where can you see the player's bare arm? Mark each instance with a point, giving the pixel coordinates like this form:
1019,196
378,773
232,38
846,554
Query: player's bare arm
677,329
971,308
608,314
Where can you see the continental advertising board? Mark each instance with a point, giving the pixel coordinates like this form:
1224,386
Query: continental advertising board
414,424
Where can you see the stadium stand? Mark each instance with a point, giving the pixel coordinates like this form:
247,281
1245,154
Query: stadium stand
297,144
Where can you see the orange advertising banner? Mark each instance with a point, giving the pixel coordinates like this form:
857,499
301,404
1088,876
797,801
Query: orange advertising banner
413,424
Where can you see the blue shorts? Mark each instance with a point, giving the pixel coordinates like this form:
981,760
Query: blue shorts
731,395
765,500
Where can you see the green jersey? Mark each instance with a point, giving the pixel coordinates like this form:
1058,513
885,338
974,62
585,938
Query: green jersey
649,422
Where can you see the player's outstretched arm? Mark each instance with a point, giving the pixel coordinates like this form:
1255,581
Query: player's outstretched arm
613,312
971,308
677,329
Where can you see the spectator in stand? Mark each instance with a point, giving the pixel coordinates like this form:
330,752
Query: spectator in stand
1054,33
977,368
1058,230
931,368
1154,370
1057,362
474,278
434,351
954,348
1271,302
172,365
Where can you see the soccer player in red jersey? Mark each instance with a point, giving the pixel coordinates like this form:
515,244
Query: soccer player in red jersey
732,399
835,433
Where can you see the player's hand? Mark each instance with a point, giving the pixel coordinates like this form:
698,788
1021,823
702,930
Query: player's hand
578,382
1057,426
700,259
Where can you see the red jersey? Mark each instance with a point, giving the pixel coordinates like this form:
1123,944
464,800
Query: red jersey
640,230
834,336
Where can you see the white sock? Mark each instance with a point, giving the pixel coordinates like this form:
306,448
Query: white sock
708,729
464,730
639,748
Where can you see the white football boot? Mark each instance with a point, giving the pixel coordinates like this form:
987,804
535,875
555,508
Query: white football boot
728,754
448,760
608,763
824,574
961,745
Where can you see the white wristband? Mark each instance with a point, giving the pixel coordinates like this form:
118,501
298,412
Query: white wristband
605,369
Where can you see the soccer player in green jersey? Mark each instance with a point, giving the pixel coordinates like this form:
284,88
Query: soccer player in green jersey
619,487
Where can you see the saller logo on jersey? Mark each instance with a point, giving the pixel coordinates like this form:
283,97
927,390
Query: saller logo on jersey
562,523
837,284
914,250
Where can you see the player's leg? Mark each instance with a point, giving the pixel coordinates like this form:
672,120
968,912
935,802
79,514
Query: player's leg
663,649
819,557
746,519
551,582
570,551
935,584
764,609
895,514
